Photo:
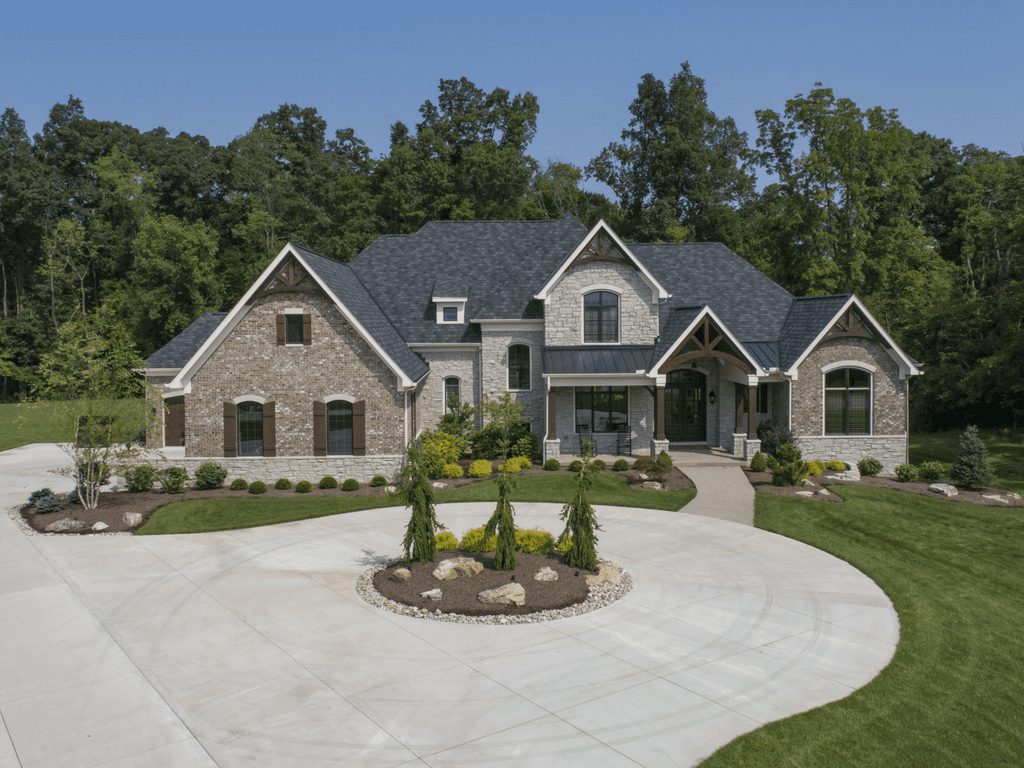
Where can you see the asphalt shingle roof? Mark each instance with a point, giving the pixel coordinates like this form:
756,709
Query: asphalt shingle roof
806,318
179,350
624,359
672,326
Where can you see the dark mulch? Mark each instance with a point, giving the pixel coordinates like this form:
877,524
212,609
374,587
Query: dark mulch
762,482
673,480
460,595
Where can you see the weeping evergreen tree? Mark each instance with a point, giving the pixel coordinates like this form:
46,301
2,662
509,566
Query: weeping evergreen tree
417,493
503,523
580,522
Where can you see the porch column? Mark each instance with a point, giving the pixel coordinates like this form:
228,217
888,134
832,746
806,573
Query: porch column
752,412
552,445
739,410
659,412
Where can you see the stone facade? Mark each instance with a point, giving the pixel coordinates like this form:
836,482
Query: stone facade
464,364
494,371
294,468
638,306
250,362
640,407
891,450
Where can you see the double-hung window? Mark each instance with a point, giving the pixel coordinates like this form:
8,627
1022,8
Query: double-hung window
250,429
518,367
848,402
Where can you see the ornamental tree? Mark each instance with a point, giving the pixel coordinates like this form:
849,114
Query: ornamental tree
503,523
417,493
972,468
580,521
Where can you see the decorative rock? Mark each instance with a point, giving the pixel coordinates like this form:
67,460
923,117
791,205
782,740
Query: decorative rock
400,575
439,485
65,525
805,493
132,519
453,567
432,594
607,573
944,488
642,476
507,594
391,489
995,497
824,492
100,526
651,485
546,574
1013,495
807,483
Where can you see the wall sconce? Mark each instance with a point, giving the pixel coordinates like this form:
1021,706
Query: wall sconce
712,397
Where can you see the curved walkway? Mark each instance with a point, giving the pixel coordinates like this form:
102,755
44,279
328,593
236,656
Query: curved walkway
251,647
723,491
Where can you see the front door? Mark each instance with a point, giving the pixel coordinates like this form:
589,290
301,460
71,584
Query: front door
174,421
685,408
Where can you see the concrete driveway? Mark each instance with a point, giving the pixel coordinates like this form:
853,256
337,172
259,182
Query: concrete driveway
252,648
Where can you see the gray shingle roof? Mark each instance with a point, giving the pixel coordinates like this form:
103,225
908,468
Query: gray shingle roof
765,352
806,318
673,324
179,350
624,359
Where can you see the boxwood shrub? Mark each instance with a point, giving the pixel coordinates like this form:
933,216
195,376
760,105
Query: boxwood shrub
620,465
283,484
599,465
303,486
481,468
210,475
869,466
328,482
350,485
140,478
452,471
931,471
378,481
238,484
257,487
552,465
172,479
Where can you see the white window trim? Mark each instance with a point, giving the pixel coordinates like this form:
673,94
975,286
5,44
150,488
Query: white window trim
444,387
529,351
583,321
340,396
870,370
250,399
460,308
849,364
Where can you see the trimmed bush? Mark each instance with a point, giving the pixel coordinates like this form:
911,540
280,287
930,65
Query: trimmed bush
759,463
562,547
474,540
303,486
452,471
516,464
210,475
906,473
815,468
445,540
643,464
552,465
869,466
36,495
378,481
140,478
773,436
256,487
283,484
576,465
835,465
535,541
788,467
620,465
238,484
440,448
971,468
931,471
664,462
350,485
327,482
599,465
172,479
481,468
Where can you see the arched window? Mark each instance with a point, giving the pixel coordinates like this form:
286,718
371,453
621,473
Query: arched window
339,428
848,402
452,392
250,428
519,366
600,317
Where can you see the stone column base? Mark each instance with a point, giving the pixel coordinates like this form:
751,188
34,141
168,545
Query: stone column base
657,446
552,449
750,448
739,440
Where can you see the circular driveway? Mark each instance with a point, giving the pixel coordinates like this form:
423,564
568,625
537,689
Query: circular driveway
259,645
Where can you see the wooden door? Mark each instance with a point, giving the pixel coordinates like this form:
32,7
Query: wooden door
174,421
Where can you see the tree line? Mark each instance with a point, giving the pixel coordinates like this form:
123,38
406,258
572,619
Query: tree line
113,239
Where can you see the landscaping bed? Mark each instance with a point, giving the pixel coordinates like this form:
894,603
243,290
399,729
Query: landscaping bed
921,488
762,482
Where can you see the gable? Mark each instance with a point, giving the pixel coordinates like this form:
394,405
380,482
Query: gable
696,332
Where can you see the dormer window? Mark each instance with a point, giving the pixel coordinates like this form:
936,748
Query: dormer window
600,317
450,311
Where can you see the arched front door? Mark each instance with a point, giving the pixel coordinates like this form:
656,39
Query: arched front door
685,406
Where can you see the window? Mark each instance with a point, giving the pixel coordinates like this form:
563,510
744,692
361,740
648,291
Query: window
848,402
600,317
450,314
763,399
339,428
452,387
602,409
250,429
293,329
519,366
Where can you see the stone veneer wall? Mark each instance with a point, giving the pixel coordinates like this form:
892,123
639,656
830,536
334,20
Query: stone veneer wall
249,361
890,450
155,410
294,468
444,363
494,374
638,308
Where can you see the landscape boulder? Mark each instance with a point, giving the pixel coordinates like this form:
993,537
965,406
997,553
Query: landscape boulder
432,594
651,485
507,594
607,573
65,525
400,575
944,489
995,497
100,526
546,573
454,567
132,519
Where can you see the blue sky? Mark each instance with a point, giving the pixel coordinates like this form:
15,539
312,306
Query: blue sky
954,68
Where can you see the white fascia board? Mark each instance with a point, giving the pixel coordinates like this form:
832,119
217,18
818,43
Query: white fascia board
498,326
758,370
658,288
453,346
452,299
156,371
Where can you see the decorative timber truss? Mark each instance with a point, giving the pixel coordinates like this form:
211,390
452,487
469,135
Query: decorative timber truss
290,278
852,325
706,340
602,248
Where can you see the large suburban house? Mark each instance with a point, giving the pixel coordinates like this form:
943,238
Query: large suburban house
324,367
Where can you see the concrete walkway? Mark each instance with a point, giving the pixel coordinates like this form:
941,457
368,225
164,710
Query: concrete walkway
722,489
251,647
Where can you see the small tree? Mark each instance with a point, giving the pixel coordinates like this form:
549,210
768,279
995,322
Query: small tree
972,468
417,493
503,523
459,420
101,439
581,522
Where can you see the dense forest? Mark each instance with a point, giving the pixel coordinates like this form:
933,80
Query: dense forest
113,239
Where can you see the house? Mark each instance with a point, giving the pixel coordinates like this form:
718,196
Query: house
331,368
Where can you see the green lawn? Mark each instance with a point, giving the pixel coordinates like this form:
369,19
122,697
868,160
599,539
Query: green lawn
48,421
952,694
1005,448
221,514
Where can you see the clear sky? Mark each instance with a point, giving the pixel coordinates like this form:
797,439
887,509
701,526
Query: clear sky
955,69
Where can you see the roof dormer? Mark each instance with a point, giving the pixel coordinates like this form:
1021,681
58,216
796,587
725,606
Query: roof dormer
449,297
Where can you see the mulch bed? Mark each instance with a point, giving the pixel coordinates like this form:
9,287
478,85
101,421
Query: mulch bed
673,480
459,595
762,482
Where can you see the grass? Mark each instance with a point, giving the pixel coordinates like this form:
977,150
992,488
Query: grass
1005,448
222,514
951,695
49,421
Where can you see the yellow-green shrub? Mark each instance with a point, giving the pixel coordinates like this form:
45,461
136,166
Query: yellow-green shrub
816,468
446,540
451,471
835,466
516,464
473,541
562,547
440,448
480,468
534,541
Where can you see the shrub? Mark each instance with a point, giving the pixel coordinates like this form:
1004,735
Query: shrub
506,432
869,466
459,420
516,464
563,545
140,478
815,468
620,465
788,467
552,465
210,475
971,468
481,468
327,482
575,466
256,487
535,541
445,540
36,495
440,448
416,492
835,465
664,462
238,484
599,465
474,540
283,484
378,481
581,523
643,464
931,471
351,484
303,486
525,445
759,463
906,473
452,471
172,479
773,436
48,503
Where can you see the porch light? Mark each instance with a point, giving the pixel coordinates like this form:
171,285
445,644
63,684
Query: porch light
712,397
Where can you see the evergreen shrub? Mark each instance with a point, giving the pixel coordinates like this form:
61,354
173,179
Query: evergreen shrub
210,475
238,484
972,468
327,482
303,486
140,478
256,487
869,466
351,484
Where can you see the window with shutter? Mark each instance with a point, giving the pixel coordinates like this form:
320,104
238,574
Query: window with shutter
250,429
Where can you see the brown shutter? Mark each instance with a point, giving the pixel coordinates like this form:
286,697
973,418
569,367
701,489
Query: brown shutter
319,428
269,429
359,428
230,431
280,330
307,329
